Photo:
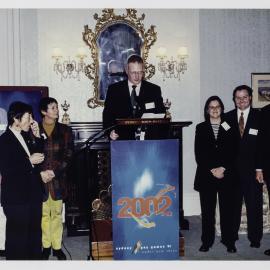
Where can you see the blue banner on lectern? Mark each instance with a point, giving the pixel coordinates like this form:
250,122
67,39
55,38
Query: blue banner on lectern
145,200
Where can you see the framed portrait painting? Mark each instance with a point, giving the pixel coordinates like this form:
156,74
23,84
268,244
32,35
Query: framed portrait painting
28,94
260,83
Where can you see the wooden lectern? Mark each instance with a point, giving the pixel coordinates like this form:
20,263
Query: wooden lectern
153,128
159,128
91,174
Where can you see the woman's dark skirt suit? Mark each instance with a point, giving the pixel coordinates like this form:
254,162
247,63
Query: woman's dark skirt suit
212,153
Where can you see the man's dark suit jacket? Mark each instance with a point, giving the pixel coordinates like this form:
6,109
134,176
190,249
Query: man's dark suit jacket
211,153
247,186
264,142
247,145
118,103
21,183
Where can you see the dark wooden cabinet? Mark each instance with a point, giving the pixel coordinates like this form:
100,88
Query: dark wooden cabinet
87,175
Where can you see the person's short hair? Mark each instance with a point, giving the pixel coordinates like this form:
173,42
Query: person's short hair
135,58
44,102
16,110
242,87
210,99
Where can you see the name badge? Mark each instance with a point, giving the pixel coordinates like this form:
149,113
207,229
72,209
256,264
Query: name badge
150,105
225,125
253,131
142,135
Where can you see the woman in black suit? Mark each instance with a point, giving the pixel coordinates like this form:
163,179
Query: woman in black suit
21,184
215,153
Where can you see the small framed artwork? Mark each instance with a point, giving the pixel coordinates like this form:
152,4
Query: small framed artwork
28,94
260,83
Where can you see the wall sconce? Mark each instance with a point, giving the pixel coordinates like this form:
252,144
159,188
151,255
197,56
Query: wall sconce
69,68
172,68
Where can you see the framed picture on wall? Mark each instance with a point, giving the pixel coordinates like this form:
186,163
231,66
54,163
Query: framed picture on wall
260,83
28,94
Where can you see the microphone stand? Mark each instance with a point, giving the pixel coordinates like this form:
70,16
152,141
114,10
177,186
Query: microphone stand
87,144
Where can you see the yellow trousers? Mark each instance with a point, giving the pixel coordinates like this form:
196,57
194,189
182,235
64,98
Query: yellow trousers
51,223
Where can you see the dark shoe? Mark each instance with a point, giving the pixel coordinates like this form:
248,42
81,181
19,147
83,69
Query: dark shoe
255,244
46,252
59,254
204,248
2,253
267,252
231,249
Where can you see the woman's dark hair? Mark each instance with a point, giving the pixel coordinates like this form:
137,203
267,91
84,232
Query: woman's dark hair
210,99
16,110
44,102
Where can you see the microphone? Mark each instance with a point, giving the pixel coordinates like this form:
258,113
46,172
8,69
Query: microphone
135,109
104,131
137,113
92,139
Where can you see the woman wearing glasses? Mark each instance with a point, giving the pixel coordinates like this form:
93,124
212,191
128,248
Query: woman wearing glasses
215,154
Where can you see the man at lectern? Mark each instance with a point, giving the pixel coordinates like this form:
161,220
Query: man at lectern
132,97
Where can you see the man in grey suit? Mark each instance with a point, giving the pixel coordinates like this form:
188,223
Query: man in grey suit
245,121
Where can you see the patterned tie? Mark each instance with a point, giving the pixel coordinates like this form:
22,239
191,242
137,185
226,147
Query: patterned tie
241,124
133,98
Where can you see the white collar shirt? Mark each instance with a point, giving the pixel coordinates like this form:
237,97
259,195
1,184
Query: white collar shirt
138,87
20,138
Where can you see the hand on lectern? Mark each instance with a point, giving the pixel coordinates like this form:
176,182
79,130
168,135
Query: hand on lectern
113,135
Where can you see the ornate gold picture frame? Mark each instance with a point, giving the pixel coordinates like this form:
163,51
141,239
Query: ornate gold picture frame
113,40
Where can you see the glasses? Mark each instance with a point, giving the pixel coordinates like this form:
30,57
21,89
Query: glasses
244,98
133,73
214,107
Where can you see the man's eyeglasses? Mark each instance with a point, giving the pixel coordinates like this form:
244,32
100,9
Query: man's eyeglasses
244,98
133,73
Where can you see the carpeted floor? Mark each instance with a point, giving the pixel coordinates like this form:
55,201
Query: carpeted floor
218,250
78,246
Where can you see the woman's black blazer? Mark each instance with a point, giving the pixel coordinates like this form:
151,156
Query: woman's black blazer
212,153
21,182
